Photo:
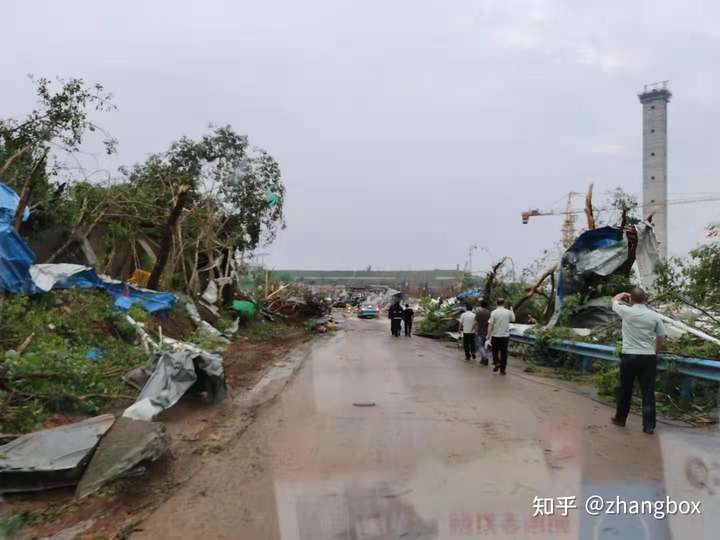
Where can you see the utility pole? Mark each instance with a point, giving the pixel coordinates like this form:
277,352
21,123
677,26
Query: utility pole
469,264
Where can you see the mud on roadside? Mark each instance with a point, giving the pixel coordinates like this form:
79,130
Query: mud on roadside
198,432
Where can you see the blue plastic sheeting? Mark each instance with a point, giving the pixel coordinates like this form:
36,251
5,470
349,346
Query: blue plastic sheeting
15,278
597,238
87,279
15,261
95,354
470,294
16,258
8,204
150,301
125,295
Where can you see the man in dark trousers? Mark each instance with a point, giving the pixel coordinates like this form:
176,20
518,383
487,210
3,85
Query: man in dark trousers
395,314
499,334
482,318
467,328
643,335
408,315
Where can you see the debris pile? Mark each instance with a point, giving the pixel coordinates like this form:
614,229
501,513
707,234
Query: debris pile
57,457
51,457
296,301
79,339
437,318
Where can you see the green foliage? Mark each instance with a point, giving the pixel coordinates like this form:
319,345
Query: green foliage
621,201
691,346
138,314
572,304
542,354
53,374
235,200
695,279
669,380
207,341
11,523
703,275
438,318
616,284
607,380
236,193
61,121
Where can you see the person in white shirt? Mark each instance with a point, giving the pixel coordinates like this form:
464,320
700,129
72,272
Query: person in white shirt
499,334
643,335
467,327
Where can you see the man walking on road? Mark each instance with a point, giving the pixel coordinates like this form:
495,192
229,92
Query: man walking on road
467,327
643,335
395,315
499,333
408,315
482,317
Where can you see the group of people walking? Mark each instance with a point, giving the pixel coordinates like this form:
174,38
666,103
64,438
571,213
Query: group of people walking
482,330
643,335
400,317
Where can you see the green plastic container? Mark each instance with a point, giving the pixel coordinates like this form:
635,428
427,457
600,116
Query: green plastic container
244,308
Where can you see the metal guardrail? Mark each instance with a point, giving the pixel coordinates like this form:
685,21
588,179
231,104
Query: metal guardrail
697,368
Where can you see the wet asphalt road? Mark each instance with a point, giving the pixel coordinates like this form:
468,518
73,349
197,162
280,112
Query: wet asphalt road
448,450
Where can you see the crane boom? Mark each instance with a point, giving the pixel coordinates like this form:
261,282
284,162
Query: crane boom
568,227
534,212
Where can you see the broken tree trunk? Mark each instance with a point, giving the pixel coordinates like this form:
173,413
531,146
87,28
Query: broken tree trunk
77,237
534,287
166,242
589,209
12,158
550,308
490,279
25,193
632,237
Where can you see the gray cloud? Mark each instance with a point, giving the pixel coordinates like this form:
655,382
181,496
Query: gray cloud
445,118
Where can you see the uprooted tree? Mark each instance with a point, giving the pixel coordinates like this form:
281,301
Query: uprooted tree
182,214
533,294
694,280
40,147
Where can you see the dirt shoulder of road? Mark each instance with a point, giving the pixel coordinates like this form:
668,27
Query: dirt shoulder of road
198,432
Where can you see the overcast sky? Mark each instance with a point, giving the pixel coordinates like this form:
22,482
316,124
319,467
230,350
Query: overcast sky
406,130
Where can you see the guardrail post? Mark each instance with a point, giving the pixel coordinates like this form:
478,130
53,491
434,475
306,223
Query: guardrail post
686,384
584,365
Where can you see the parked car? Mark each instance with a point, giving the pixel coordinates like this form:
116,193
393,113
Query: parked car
369,311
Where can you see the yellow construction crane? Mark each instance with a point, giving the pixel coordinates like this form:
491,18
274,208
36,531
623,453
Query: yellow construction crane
568,227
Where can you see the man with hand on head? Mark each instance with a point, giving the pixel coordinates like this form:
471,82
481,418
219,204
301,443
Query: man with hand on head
643,335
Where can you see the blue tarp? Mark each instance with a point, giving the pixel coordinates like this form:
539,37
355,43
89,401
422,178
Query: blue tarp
15,261
150,301
470,294
16,258
125,295
596,239
8,204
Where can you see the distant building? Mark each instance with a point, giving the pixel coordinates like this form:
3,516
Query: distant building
431,280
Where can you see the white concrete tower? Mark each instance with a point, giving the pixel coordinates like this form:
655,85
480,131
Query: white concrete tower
654,99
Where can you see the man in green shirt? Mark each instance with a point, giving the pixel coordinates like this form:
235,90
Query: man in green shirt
643,335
